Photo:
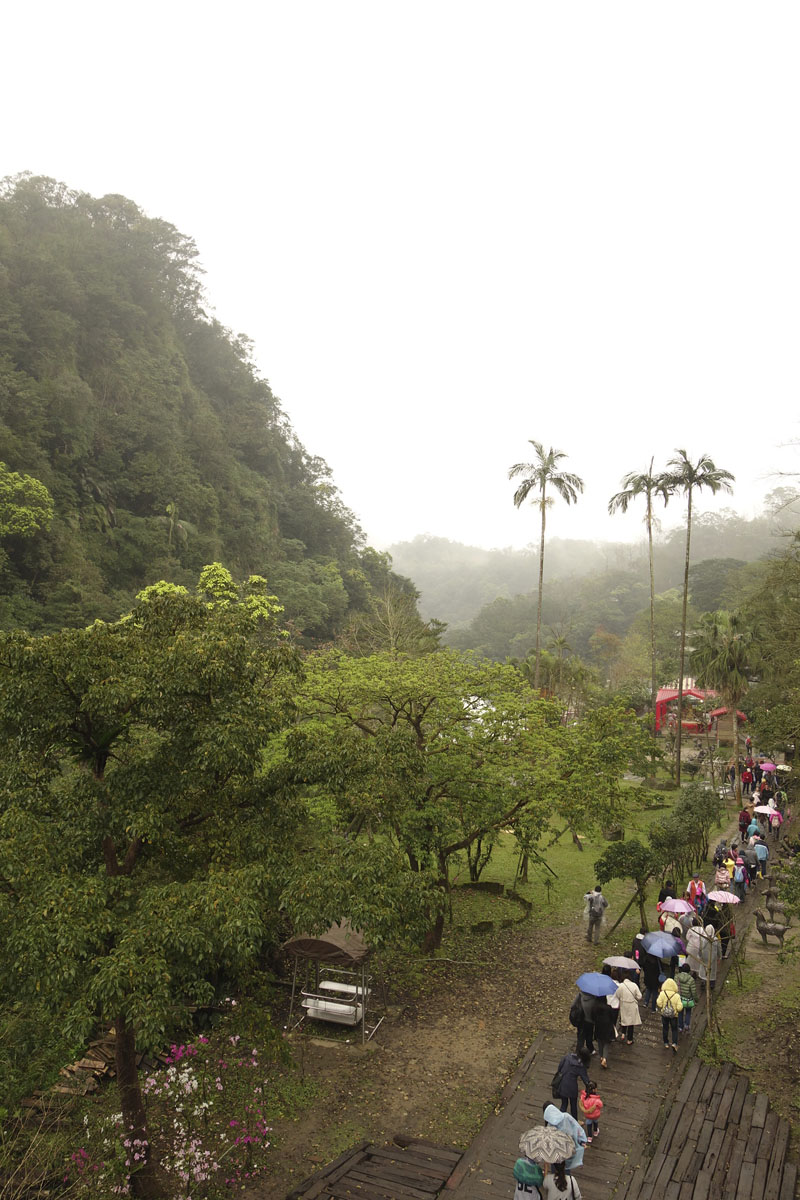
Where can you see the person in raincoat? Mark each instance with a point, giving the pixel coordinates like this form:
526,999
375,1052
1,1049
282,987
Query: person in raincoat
709,954
567,1124
694,946
669,1004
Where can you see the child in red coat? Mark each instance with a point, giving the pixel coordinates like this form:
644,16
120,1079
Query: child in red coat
591,1106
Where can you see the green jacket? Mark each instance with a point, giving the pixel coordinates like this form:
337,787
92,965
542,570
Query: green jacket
687,987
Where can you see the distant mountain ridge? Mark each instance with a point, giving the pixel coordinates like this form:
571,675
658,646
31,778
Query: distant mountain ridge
456,581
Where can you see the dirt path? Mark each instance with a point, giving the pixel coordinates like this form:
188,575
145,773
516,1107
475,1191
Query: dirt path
435,1071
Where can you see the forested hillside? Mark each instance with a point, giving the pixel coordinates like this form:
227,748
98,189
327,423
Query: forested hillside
595,610
144,418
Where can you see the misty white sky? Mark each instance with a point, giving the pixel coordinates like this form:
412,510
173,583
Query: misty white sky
451,226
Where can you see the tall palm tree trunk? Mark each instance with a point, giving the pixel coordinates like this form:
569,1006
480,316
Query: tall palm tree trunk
737,779
653,685
683,634
541,589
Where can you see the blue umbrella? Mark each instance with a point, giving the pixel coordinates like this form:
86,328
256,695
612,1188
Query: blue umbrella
662,945
596,984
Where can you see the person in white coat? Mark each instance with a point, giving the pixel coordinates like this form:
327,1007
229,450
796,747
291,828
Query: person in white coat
628,995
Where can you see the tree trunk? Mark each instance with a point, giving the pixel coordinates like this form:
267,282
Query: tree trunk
541,589
737,779
653,686
433,938
683,634
143,1177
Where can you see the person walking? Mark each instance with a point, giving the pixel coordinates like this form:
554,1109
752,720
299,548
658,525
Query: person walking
629,996
528,1178
669,1004
709,956
688,992
762,854
696,893
560,1186
591,1106
694,947
596,905
651,969
572,1068
585,1025
776,820
567,1124
604,1031
740,878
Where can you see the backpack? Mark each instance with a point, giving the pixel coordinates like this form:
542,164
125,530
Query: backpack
555,1085
597,904
738,875
668,1010
576,1012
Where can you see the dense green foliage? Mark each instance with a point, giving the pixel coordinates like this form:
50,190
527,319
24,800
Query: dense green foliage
146,422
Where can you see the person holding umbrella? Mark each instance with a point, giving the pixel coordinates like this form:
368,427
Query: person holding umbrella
563,1125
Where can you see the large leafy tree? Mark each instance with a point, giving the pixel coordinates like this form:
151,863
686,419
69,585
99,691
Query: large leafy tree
683,475
634,485
723,658
140,843
538,477
432,754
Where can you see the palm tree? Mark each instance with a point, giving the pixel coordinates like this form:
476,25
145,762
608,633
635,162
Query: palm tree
559,644
648,485
539,476
723,658
689,477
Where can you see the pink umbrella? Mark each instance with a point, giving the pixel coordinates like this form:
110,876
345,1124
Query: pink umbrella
723,897
675,904
765,766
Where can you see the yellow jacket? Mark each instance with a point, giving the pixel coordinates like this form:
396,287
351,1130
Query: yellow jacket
669,995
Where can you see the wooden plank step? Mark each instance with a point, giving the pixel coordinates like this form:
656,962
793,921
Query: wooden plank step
405,1159
689,1079
789,1184
734,1167
384,1172
768,1137
745,1185
734,1116
760,1110
726,1100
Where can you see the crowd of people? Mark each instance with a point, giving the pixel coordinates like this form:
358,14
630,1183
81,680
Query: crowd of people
703,926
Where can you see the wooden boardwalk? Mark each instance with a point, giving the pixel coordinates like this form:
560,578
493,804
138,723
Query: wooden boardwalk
719,1141
411,1169
671,1129
637,1076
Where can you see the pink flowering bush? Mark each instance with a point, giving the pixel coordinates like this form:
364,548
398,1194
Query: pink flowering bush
205,1112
